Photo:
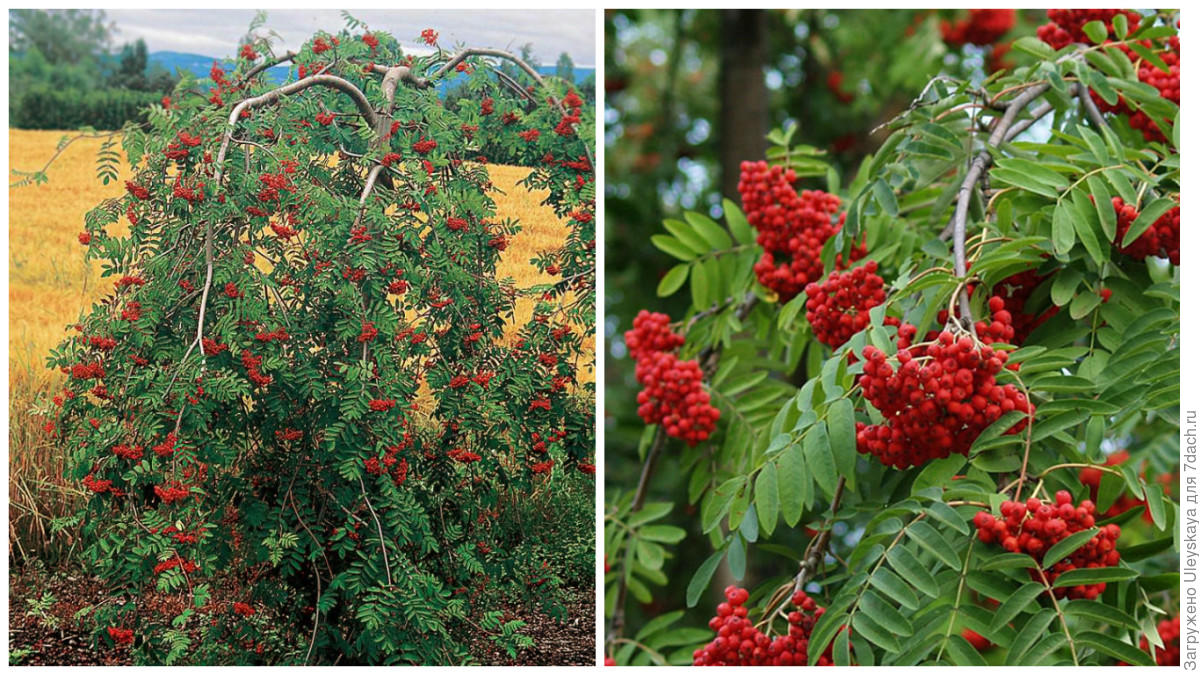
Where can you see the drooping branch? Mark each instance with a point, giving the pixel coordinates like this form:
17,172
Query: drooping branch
331,81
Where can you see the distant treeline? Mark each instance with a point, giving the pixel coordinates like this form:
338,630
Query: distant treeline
63,72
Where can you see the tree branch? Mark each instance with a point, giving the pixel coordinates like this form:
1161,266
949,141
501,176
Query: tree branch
979,165
271,63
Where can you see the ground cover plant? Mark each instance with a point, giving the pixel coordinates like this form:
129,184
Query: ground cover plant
311,421
926,412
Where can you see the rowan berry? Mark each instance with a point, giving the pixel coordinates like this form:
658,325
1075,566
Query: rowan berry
1047,525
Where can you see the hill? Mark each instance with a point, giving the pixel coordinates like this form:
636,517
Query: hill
199,66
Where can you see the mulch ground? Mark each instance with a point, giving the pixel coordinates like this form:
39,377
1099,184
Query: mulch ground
56,638
568,643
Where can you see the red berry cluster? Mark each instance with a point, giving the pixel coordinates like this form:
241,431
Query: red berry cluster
1015,291
740,643
1160,239
1066,25
651,333
792,228
981,27
837,308
1046,525
940,398
672,391
124,636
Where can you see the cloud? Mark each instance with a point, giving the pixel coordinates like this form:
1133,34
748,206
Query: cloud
217,32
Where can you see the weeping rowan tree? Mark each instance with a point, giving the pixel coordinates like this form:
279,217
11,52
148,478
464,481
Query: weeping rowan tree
931,416
300,396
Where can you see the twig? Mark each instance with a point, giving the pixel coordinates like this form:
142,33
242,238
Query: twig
58,151
382,542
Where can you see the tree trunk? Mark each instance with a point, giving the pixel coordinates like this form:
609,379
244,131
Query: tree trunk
743,91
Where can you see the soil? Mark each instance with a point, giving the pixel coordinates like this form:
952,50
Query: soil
568,643
54,637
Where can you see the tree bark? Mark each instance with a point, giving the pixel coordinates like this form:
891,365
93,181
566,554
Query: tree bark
743,91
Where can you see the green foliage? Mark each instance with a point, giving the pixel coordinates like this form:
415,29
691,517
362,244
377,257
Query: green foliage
308,398
903,573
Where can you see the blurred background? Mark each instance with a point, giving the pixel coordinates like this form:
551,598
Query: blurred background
690,94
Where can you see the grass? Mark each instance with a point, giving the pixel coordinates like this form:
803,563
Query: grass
51,286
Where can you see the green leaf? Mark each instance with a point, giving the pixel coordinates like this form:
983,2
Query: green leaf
673,280
1096,31
687,236
932,541
1102,203
716,236
701,283
667,534
895,588
650,555
1033,45
949,517
939,472
1086,226
1098,611
1067,546
1062,289
1154,502
841,649
1146,218
819,457
766,497
1120,25
910,568
1036,172
657,624
649,512
1150,56
793,484
737,558
886,197
738,225
718,502
962,653
843,439
1029,633
1016,603
1083,304
1062,229
874,632
1025,182
1094,575
1121,651
702,577
672,246
886,615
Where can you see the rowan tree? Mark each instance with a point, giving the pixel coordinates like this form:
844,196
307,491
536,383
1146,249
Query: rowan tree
930,413
304,397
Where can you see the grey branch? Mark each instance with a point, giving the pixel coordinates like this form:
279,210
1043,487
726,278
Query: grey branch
979,165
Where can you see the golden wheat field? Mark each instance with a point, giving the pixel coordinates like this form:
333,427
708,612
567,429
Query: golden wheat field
50,285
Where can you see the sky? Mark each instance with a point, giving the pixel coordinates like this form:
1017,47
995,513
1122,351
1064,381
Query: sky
216,32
